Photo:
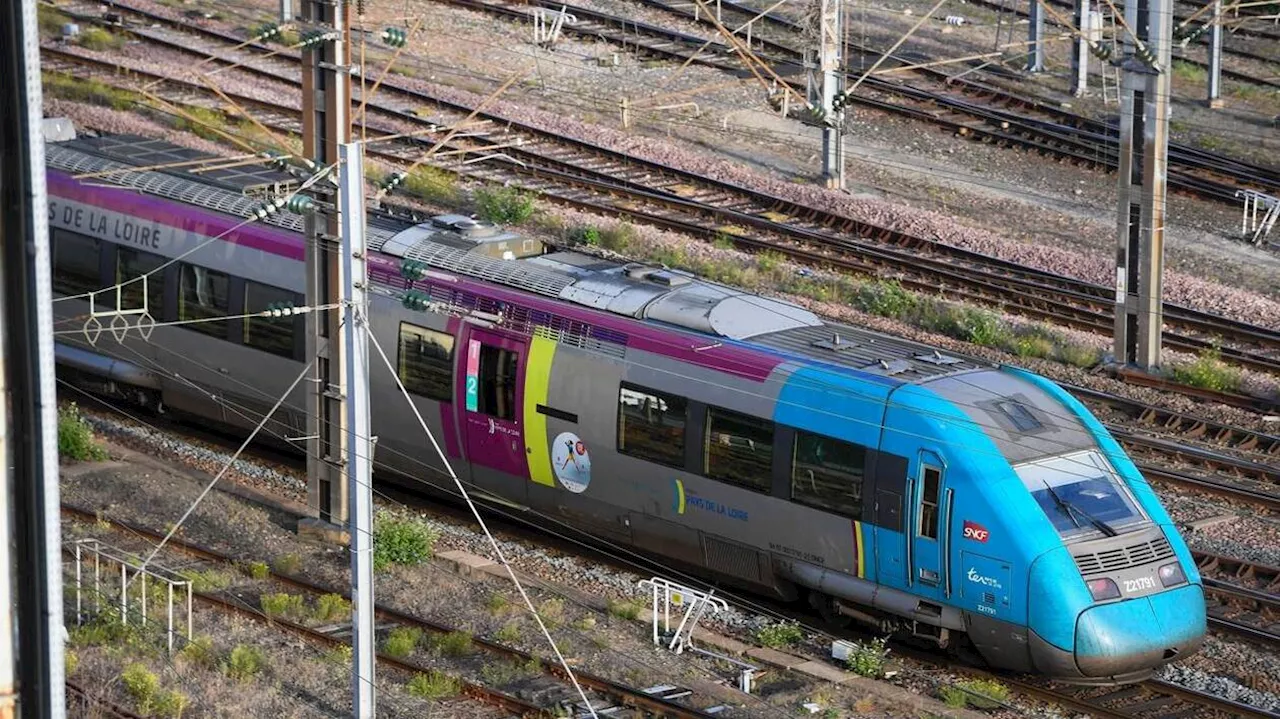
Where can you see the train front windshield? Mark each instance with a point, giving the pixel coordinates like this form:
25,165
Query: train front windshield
1080,494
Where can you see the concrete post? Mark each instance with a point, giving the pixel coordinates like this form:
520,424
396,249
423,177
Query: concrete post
1142,183
1215,56
1035,36
1080,49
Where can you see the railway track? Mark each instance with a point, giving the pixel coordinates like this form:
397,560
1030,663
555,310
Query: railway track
606,696
1242,598
966,107
1151,699
615,182
90,705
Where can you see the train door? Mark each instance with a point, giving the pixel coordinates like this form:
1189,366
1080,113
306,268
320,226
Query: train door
924,526
491,398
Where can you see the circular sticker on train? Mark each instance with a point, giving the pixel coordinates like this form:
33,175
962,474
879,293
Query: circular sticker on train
571,462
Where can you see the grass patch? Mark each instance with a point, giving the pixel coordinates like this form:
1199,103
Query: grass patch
257,570
497,603
203,122
1079,355
340,655
780,635
209,580
510,632
501,673
407,541
503,205
434,685
433,185
287,606
623,610
977,693
402,641
199,651
1188,72
868,659
330,608
75,438
287,564
95,38
70,662
141,684
1207,371
244,663
552,612
453,644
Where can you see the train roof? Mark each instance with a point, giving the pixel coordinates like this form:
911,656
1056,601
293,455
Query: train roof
483,251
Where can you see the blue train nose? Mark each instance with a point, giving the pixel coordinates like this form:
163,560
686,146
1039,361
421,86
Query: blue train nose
1139,634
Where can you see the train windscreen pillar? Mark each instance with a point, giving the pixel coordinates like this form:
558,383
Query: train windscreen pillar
1142,174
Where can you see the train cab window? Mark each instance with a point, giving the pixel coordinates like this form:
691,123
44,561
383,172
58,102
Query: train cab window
75,263
827,474
426,362
271,334
929,502
499,371
204,293
132,264
651,425
739,449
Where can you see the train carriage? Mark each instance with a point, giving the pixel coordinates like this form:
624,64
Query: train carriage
883,480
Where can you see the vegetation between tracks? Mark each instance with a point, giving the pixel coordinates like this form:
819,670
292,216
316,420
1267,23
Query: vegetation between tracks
75,438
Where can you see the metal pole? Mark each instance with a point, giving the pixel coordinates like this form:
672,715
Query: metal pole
30,556
286,10
326,105
1035,36
1144,147
359,471
1080,49
1215,56
832,69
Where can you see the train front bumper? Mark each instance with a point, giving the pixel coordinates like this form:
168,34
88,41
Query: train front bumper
1127,640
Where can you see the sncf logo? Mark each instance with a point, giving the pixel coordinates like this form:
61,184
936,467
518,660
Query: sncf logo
975,531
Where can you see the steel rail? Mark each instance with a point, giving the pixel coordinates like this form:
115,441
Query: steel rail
96,703
629,696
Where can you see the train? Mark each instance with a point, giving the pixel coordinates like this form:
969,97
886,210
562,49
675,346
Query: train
943,499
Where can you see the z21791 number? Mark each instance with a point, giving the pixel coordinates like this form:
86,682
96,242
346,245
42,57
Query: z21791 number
1137,585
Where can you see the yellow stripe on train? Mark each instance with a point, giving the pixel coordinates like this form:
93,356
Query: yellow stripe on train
537,385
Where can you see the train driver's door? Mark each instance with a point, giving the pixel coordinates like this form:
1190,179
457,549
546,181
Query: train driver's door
491,397
924,528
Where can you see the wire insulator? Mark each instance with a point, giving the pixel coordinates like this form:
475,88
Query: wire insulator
300,204
395,37
416,300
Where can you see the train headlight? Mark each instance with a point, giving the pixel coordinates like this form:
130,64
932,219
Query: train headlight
1171,575
1103,589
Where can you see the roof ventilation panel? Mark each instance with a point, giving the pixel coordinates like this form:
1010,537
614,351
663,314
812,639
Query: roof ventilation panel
888,368
836,343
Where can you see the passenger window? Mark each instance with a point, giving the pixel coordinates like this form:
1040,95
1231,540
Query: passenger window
75,263
739,449
271,334
651,425
827,473
499,370
426,362
204,294
929,502
132,264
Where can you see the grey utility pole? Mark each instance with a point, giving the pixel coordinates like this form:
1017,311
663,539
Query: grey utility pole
355,280
1144,149
831,65
1215,56
326,124
31,670
1035,37
1080,49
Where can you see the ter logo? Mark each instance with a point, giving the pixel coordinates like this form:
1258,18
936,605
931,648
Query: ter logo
975,531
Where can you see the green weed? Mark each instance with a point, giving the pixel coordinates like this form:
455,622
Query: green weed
498,603
244,663
287,564
288,606
199,651
402,641
453,644
209,580
510,632
407,541
433,185
257,570
330,608
552,612
623,610
70,662
868,659
171,704
75,438
1209,372
95,38
434,685
142,685
978,693
780,635
503,205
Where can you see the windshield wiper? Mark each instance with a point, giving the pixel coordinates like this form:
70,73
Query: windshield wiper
1070,510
